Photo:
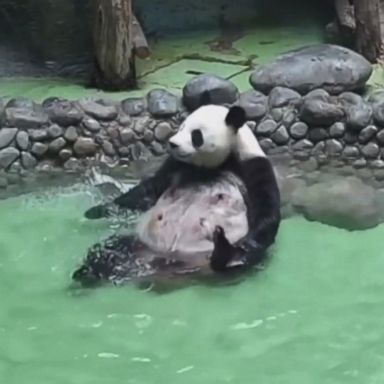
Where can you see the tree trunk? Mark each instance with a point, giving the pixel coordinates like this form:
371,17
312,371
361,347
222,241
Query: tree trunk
112,33
368,31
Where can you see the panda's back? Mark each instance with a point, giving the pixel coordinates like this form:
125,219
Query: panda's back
184,217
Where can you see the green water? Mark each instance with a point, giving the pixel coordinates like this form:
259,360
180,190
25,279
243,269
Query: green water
315,315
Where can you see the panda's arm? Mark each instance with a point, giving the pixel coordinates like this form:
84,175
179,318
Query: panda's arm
263,215
142,196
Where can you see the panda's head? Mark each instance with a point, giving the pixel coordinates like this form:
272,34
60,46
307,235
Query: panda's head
208,135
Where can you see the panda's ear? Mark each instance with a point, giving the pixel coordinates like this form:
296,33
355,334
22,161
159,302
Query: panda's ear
236,117
205,98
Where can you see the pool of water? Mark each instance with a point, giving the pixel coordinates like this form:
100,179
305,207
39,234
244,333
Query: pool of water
315,315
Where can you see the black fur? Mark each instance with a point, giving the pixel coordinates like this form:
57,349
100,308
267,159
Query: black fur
236,117
262,199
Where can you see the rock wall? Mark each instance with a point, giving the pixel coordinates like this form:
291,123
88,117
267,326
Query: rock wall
315,127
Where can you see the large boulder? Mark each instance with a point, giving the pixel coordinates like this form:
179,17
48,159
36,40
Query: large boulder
345,203
333,68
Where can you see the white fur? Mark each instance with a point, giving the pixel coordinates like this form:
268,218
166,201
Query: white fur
247,146
219,139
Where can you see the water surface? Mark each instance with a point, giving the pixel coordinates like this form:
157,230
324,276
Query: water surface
315,315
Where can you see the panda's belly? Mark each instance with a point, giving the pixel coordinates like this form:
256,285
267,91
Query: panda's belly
183,220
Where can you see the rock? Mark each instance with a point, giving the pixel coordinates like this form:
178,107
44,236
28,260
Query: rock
148,136
85,146
378,112
38,134
320,93
350,98
378,174
345,203
57,145
254,104
319,148
220,91
91,124
108,148
359,163
3,182
127,136
289,117
71,134
28,161
39,149
64,113
377,164
320,112
351,152
333,68
24,118
98,110
141,125
367,134
65,154
337,130
134,106
358,117
318,134
163,131
139,151
350,137
280,136
6,136
280,97
266,127
309,165
8,156
302,145
266,145
20,102
54,131
333,147
162,103
72,164
157,149
277,114
380,136
298,130
22,140
370,150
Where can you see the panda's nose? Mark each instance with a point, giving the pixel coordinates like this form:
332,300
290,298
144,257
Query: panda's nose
173,145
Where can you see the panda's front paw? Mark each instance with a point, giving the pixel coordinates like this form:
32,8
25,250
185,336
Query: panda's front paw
223,251
96,212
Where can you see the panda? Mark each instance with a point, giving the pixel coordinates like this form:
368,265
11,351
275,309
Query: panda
211,210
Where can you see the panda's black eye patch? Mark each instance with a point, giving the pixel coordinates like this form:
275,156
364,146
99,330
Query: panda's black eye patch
197,138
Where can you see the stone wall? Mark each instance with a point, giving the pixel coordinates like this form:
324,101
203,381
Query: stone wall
315,128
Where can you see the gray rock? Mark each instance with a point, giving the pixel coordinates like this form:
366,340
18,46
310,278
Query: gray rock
163,131
266,145
318,134
319,93
28,161
162,103
345,203
350,98
377,164
91,124
127,136
8,156
134,106
359,163
98,110
280,136
302,145
124,120
65,154
139,151
367,134
57,145
25,118
319,112
337,130
108,148
20,102
218,90
280,97
39,149
64,113
370,150
378,113
266,127
319,148
380,136
85,146
254,104
141,125
71,134
6,136
351,137
298,130
3,182
72,164
351,152
148,136
157,149
38,134
289,117
358,116
333,68
54,131
333,147
277,114
22,140
378,174
309,165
